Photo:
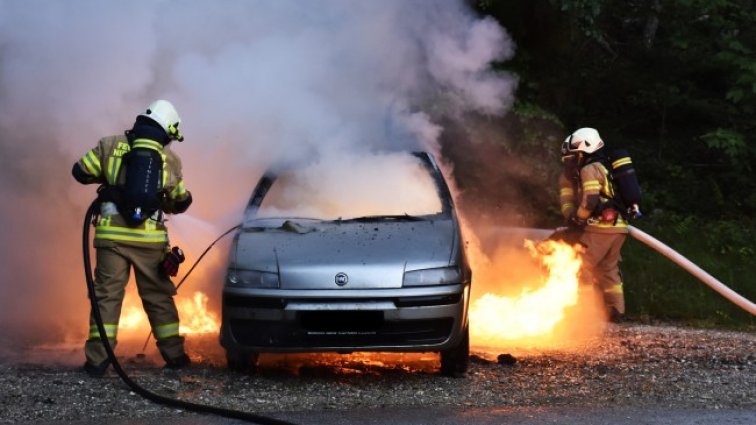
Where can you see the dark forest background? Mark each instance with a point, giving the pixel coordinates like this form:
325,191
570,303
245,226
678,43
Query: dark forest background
672,81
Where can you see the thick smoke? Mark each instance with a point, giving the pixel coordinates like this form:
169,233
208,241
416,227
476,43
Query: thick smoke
257,83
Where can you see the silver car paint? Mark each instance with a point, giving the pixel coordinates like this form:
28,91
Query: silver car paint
373,255
308,254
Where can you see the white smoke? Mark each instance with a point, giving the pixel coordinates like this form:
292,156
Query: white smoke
255,82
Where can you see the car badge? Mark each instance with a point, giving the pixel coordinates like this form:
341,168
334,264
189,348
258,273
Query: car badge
342,279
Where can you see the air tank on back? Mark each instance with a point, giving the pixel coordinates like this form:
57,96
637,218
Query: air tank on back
626,182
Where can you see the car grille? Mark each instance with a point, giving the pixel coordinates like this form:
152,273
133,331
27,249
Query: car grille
347,329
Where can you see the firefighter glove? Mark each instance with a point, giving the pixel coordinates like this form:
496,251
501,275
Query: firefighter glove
171,261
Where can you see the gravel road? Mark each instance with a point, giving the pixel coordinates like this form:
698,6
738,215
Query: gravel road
631,366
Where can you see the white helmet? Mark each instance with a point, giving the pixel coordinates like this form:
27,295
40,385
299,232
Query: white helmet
584,139
163,113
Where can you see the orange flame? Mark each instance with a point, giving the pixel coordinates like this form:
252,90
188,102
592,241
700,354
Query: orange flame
499,320
195,316
132,319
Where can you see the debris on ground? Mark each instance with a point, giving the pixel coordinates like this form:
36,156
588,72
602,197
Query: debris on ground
506,359
631,366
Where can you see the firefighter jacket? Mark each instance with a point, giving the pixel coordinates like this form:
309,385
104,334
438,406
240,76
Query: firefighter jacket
103,165
584,197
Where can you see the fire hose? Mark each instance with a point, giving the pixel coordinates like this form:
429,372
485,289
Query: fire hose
154,397
564,233
693,269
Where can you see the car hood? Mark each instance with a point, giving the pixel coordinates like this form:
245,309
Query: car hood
371,254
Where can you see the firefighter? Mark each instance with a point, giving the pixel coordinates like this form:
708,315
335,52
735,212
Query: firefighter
587,197
124,240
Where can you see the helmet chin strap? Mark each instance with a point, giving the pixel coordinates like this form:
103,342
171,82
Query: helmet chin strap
581,158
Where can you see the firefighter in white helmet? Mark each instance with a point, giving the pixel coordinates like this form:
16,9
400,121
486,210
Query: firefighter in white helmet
141,181
586,193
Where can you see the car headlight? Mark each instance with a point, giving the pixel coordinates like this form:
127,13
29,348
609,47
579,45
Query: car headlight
252,279
429,277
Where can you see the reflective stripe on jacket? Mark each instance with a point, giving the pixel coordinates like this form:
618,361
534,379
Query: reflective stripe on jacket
104,163
596,188
567,196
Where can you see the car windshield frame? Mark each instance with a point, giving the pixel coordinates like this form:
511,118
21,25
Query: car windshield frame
427,161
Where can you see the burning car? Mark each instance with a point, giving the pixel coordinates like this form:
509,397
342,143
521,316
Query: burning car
363,256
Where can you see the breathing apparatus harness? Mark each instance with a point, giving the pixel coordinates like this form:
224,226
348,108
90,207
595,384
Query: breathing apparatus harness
90,218
625,199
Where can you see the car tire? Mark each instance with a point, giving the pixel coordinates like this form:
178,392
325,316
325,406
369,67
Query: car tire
240,361
455,360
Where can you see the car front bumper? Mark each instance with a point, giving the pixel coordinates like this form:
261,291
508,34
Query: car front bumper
404,319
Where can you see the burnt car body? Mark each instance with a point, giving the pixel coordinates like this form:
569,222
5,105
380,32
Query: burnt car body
382,282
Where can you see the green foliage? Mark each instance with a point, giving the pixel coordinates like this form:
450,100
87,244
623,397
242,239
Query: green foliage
583,14
673,81
656,287
730,143
527,110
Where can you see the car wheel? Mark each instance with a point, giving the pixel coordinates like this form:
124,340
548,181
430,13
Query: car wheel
454,361
240,361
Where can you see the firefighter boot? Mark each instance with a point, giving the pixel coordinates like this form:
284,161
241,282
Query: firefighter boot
172,351
615,316
96,371
179,362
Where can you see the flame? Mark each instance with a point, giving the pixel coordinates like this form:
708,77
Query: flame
195,317
132,319
499,320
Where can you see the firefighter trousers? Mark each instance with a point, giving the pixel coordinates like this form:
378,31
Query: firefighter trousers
601,262
114,263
